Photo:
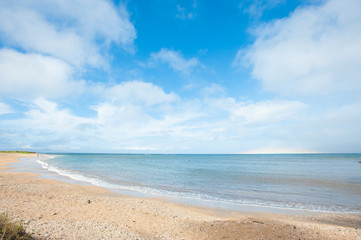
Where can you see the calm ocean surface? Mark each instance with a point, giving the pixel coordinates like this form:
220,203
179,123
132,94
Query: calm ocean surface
321,182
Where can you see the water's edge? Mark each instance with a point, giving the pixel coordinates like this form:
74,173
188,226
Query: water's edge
39,166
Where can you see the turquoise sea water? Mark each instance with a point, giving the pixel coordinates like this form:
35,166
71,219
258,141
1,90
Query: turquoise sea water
320,182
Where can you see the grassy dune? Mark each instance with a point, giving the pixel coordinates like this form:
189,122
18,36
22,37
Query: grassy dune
22,152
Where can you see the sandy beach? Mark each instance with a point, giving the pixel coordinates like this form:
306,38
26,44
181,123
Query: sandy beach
56,210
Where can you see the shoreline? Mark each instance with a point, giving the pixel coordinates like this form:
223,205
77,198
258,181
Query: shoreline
59,210
27,165
37,165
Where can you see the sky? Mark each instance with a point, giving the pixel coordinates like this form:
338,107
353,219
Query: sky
172,76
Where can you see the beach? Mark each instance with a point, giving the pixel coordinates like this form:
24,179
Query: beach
57,210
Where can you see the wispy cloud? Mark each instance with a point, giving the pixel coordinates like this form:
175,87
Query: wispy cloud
141,116
175,60
138,92
266,112
181,13
257,8
187,14
4,108
316,50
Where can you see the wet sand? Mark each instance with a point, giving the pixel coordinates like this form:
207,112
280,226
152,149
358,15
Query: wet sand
56,210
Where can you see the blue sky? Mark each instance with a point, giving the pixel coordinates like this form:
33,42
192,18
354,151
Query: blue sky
196,76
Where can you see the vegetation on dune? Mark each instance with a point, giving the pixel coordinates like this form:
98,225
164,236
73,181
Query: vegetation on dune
24,152
11,231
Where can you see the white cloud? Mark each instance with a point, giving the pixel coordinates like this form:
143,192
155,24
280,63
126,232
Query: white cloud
316,50
32,75
175,60
48,45
138,92
29,30
77,32
164,122
333,130
266,112
97,19
199,125
46,116
4,108
45,125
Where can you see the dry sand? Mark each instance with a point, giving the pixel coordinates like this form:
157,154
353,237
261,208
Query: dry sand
56,210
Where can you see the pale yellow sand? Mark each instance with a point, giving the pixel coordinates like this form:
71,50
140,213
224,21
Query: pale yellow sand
57,210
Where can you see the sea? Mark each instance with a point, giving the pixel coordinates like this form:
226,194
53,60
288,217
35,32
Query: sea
302,182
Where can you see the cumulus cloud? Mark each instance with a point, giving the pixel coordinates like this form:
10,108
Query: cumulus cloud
316,50
175,60
46,51
77,32
32,75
